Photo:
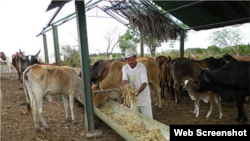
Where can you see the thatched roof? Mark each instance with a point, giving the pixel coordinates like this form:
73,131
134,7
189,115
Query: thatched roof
145,17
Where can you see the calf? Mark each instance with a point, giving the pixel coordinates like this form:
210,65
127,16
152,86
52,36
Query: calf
46,81
205,96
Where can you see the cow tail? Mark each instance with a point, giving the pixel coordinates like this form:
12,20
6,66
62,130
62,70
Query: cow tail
25,85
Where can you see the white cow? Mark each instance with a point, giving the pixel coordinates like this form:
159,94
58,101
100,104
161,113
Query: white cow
45,81
8,64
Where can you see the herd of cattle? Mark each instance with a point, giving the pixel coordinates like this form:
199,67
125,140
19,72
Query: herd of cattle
226,76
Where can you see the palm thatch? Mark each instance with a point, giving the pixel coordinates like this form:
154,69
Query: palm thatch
145,17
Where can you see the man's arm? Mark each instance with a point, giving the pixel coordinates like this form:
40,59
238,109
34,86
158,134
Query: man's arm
143,86
124,82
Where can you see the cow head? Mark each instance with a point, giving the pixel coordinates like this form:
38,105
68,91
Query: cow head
2,55
228,58
203,80
29,60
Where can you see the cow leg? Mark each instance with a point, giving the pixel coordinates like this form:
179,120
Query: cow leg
158,95
211,99
171,88
66,105
197,105
71,102
176,94
241,113
218,102
162,84
34,113
40,113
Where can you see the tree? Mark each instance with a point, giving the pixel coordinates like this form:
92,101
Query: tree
228,38
152,44
129,39
71,55
213,50
112,41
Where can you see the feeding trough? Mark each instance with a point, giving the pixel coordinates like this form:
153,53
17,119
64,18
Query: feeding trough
147,126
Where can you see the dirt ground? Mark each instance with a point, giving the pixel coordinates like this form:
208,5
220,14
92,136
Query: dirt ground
17,125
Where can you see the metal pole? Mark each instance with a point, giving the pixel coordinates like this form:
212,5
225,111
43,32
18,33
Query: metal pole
142,49
182,35
84,55
45,48
56,45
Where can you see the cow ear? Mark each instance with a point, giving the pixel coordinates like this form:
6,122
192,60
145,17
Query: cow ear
37,54
207,79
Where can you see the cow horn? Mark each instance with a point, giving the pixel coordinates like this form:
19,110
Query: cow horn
37,53
201,67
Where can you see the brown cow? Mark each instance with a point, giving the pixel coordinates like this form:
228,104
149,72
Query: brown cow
53,64
16,62
114,80
165,77
243,58
101,69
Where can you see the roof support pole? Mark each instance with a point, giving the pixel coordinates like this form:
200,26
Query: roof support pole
45,48
141,43
84,55
56,45
182,35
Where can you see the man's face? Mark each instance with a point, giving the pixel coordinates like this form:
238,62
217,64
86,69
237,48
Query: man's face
131,61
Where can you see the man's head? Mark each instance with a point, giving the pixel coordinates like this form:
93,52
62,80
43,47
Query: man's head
130,57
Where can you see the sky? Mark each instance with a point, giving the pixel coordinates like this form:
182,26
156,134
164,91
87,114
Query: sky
22,20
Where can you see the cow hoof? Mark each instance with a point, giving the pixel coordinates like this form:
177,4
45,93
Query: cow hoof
38,130
47,128
246,122
238,119
75,122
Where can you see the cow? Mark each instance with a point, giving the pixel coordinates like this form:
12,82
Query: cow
2,56
100,70
160,61
243,58
114,80
183,68
6,61
233,76
165,77
205,96
46,81
53,64
21,62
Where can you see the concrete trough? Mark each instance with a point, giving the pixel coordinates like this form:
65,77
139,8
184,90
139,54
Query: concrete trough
149,123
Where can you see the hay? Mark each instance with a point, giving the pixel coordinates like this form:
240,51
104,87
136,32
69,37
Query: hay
138,130
129,96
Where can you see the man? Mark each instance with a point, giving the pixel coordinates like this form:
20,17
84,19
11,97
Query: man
135,73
